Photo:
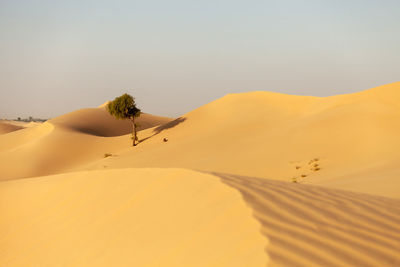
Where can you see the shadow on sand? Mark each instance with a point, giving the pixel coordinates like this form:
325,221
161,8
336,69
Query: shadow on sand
163,127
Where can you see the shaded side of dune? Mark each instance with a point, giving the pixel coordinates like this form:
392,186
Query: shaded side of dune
6,127
67,142
98,122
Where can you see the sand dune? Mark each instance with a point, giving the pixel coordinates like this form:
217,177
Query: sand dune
257,179
6,127
97,121
259,134
264,134
128,217
65,143
49,149
173,217
315,226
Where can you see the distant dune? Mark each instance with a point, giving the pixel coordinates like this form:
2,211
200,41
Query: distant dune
7,127
251,179
66,142
97,121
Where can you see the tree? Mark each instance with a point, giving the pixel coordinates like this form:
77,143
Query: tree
124,107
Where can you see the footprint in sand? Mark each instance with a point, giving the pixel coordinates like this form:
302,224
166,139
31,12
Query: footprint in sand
314,164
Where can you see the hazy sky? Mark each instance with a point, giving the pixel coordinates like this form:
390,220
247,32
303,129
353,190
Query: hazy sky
174,56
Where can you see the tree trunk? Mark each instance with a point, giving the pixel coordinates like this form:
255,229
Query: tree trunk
134,134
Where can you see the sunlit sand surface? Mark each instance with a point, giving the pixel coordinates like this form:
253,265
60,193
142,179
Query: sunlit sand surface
251,179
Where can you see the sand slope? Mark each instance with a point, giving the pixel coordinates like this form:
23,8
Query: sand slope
352,138
264,134
149,217
65,142
315,226
240,208
174,217
6,127
97,121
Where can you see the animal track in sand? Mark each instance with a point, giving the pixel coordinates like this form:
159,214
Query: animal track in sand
314,165
301,172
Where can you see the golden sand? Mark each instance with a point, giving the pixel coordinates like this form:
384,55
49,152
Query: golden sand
251,179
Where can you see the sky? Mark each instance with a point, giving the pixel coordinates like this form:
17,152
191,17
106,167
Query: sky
174,56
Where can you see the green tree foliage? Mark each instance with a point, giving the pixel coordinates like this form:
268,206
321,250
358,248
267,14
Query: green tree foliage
124,107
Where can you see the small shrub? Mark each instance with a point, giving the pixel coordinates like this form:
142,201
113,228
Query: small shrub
106,155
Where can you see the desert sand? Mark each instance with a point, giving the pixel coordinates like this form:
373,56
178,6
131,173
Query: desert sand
7,126
251,179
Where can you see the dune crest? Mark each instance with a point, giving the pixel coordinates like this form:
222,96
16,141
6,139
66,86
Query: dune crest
104,104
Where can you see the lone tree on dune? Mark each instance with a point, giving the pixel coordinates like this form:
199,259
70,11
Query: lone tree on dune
124,107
